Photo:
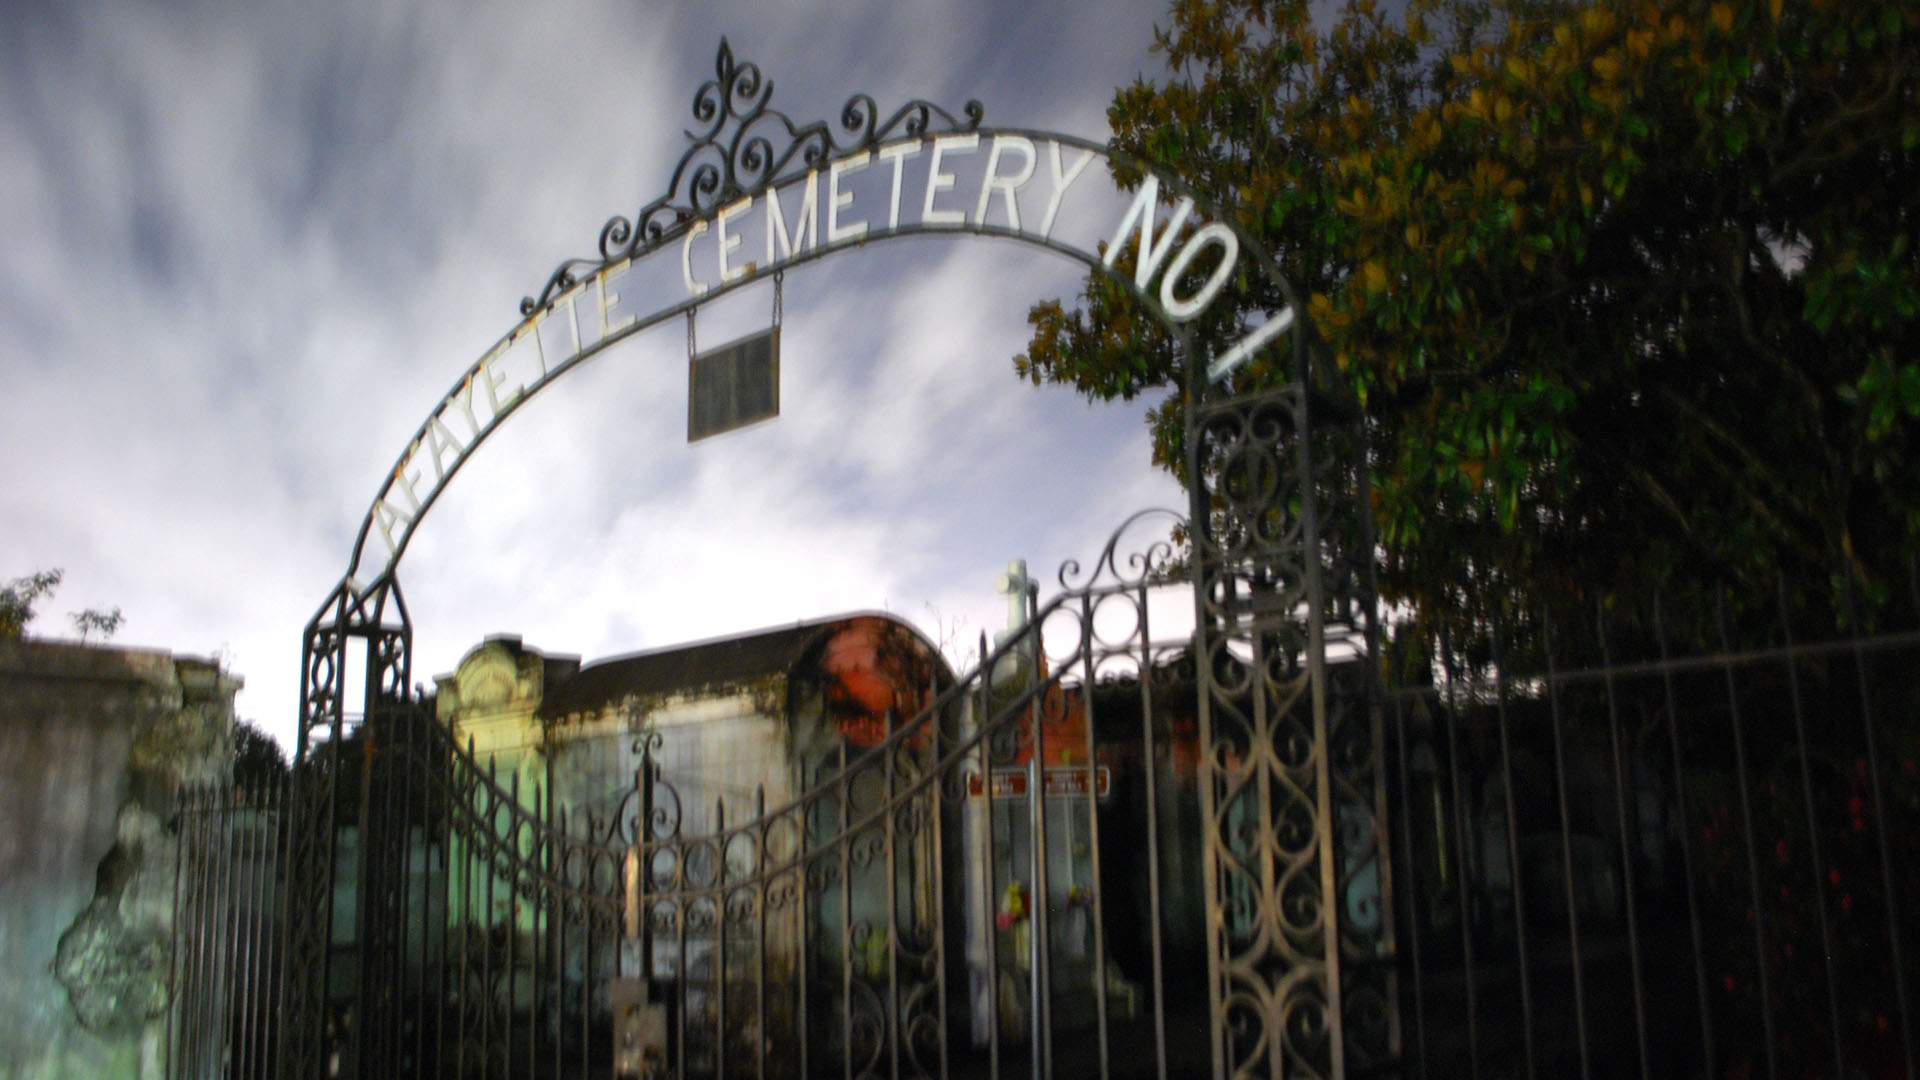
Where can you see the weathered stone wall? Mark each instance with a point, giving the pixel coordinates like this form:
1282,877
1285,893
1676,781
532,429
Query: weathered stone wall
93,744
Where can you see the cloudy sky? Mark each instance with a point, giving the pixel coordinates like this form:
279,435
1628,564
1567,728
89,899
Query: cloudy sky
246,247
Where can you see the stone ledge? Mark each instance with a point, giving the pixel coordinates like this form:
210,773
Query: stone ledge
73,661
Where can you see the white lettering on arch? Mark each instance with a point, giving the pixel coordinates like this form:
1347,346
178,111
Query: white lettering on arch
804,231
1062,180
898,153
837,199
728,272
1212,234
992,181
1152,251
938,181
1172,252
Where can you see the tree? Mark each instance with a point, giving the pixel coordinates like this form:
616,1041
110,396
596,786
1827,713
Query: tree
257,759
1626,291
104,621
17,598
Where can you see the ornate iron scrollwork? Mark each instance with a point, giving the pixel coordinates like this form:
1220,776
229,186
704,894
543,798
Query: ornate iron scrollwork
742,145
1302,936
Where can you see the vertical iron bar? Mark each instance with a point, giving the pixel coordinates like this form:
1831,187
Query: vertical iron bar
1316,600
182,920
561,889
182,826
720,940
1149,761
196,1019
414,768
803,988
356,1031
1686,841
889,759
234,1011
227,934
590,899
446,835
982,732
1095,892
643,782
1894,911
1813,833
236,977
464,991
1566,849
1264,720
1206,778
1626,846
844,791
1041,914
272,970
491,833
937,818
1513,847
761,861
193,1019
286,876
1414,916
1036,986
683,977
190,1020
1460,846
1199,509
539,928
539,827
211,1029
1363,554
1043,890
512,847
247,965
1747,836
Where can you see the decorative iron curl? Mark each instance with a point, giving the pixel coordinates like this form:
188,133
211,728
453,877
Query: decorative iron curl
1113,570
741,145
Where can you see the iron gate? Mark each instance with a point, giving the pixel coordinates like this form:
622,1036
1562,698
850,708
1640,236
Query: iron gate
1101,850
1672,845
963,895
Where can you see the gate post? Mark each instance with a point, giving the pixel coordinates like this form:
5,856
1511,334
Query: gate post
1299,920
305,1041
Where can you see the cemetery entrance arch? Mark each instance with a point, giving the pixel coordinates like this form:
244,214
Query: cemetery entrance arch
885,868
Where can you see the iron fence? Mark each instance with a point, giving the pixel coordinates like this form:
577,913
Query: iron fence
1659,843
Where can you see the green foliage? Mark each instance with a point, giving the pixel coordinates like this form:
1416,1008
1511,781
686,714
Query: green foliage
1626,290
17,598
257,759
103,621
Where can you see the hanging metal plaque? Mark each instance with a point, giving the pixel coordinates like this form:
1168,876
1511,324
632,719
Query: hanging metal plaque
734,385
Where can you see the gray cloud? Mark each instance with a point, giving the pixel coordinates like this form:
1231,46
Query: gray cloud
248,246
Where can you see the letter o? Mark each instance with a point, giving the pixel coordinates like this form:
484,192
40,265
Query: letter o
1184,310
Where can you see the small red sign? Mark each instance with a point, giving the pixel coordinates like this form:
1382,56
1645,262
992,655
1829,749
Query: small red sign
1065,781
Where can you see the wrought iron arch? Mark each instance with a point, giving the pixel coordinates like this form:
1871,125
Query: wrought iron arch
1271,577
